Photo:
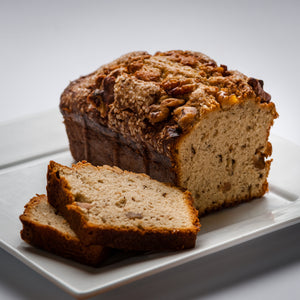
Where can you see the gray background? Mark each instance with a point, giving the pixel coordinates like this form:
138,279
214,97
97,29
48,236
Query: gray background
45,44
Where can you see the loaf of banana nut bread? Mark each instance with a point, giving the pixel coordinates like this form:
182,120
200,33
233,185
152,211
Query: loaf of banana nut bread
45,229
120,209
179,117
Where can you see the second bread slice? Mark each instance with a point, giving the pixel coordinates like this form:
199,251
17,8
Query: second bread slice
120,209
44,229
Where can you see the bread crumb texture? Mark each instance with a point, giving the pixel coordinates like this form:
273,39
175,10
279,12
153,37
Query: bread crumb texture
108,195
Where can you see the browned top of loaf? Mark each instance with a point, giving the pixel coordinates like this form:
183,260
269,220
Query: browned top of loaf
156,98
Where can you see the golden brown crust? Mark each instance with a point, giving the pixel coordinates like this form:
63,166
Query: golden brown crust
129,95
53,240
60,197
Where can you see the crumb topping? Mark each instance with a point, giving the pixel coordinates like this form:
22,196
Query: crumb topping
156,98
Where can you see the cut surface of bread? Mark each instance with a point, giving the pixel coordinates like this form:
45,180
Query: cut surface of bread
222,161
120,209
45,229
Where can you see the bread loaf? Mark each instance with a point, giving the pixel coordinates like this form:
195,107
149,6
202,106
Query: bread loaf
124,210
44,229
179,117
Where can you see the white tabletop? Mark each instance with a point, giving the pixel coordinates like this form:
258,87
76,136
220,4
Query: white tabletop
45,44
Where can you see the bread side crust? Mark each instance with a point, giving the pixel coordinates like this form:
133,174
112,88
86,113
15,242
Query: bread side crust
85,136
60,196
48,238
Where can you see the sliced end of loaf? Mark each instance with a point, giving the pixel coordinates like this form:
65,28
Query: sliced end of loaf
44,229
223,159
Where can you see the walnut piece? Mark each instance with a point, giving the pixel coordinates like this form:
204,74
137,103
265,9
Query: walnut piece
133,215
152,74
257,86
185,115
259,161
158,113
172,102
225,187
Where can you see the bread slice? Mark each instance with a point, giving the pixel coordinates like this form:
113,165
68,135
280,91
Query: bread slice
44,229
120,209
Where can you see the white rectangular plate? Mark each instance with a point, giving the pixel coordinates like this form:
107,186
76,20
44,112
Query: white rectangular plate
277,209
